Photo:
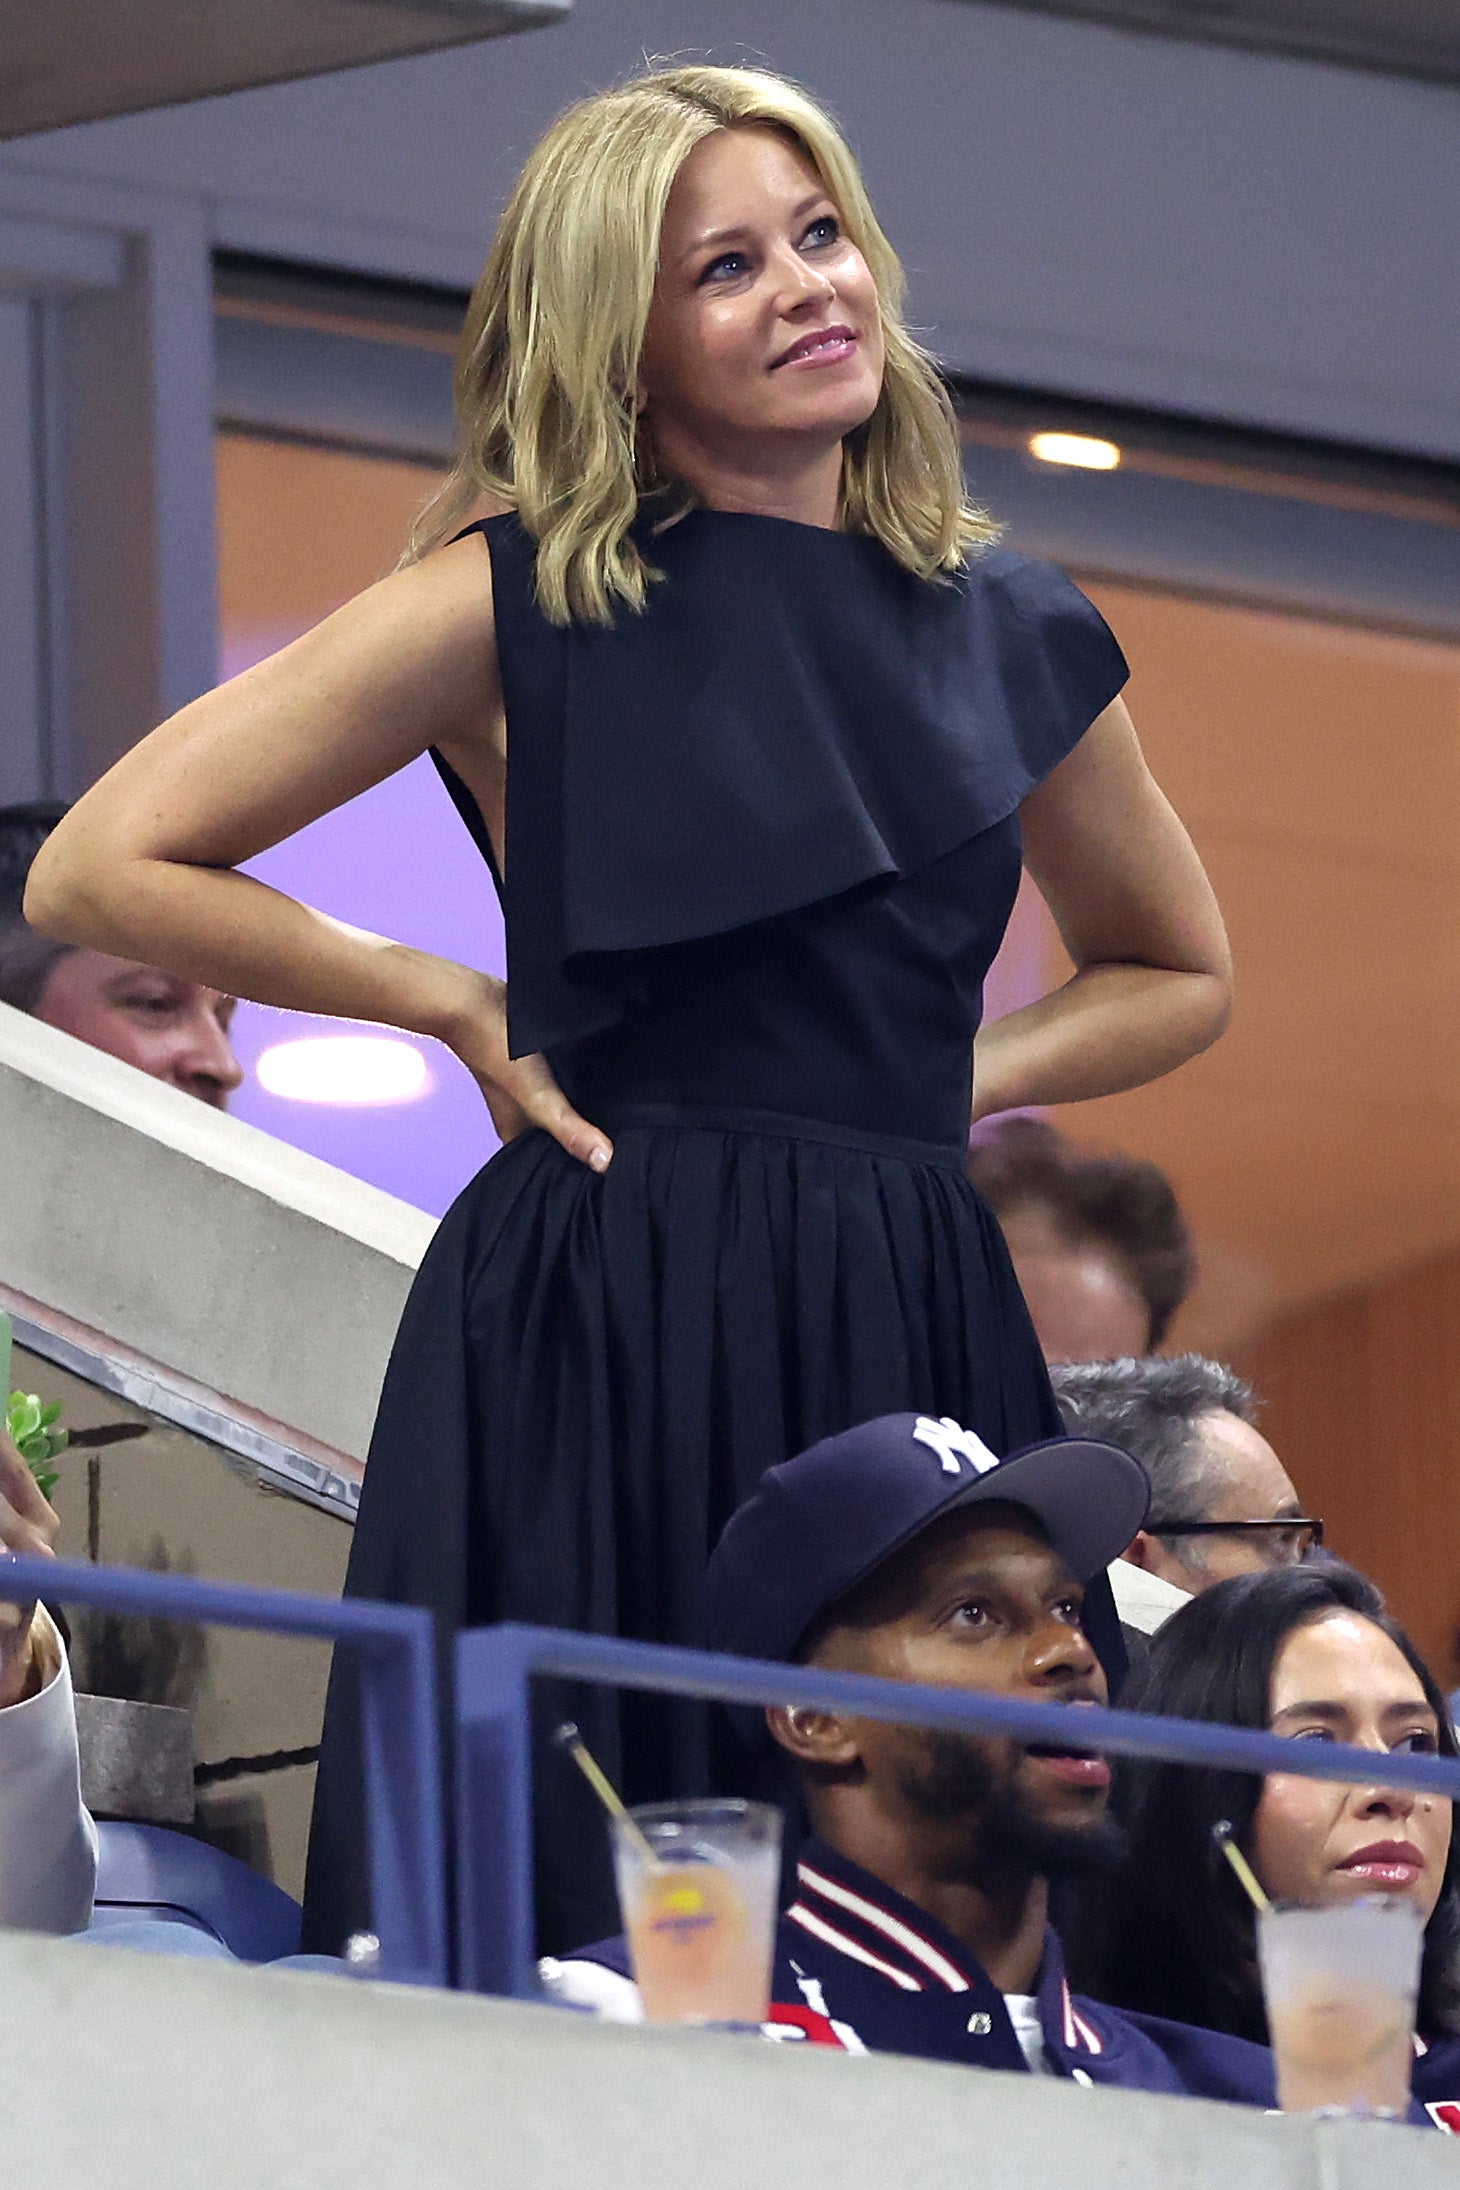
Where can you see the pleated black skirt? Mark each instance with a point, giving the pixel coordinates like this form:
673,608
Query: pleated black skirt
592,1372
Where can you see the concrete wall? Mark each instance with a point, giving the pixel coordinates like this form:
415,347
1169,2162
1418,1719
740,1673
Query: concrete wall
1081,208
199,1241
146,1225
126,2073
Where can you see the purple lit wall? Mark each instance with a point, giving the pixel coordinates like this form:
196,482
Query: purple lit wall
399,862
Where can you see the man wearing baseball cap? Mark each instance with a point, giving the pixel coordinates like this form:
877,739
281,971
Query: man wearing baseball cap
905,1549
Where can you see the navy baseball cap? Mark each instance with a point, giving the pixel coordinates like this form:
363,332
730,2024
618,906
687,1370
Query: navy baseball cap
816,1526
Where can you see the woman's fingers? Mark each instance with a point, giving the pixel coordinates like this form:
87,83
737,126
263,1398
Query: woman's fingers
556,1115
16,1613
531,1087
519,1092
27,1522
27,1525
23,1536
508,1117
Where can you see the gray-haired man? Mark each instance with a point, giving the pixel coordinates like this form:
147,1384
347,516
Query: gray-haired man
1221,1501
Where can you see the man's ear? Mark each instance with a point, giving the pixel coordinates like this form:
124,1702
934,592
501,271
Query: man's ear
1138,1551
813,1737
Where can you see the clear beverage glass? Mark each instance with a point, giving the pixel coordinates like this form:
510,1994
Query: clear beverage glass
699,1908
1340,1985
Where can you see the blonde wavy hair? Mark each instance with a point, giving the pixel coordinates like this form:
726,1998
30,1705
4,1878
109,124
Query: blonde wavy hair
549,357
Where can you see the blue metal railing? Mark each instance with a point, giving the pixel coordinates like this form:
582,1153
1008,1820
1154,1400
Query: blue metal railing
400,1736
493,1804
494,1667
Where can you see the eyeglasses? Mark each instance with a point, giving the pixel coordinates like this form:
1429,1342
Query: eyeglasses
1287,1542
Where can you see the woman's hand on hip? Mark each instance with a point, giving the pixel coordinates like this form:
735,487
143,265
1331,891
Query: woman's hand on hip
519,1092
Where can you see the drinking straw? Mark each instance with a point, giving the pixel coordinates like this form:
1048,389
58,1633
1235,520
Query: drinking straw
569,1739
1251,1885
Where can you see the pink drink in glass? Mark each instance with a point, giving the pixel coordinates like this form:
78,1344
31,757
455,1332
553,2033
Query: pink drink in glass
701,1914
1340,1985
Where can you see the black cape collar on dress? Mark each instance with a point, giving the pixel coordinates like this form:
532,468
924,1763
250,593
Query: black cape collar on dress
792,716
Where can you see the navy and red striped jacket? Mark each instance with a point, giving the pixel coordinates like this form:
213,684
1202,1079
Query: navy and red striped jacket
859,1967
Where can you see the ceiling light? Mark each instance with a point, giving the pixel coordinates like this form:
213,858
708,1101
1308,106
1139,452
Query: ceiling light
349,1069
1074,448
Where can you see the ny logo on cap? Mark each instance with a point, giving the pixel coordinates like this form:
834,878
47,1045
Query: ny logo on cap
953,1444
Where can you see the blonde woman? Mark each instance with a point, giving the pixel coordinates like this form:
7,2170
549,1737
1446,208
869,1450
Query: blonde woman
747,711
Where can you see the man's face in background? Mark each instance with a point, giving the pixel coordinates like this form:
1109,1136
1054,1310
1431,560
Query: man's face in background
170,1029
1247,1482
1083,1303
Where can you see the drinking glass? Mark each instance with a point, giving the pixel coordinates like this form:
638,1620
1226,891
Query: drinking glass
1340,1985
697,1886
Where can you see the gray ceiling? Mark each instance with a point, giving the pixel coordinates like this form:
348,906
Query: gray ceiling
65,61
1407,37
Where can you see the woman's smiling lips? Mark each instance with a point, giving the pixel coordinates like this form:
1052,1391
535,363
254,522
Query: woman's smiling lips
1386,1863
826,346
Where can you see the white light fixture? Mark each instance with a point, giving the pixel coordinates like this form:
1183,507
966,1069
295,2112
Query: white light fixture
358,1071
1082,449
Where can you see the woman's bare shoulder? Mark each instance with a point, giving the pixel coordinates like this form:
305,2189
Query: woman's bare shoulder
456,584
457,572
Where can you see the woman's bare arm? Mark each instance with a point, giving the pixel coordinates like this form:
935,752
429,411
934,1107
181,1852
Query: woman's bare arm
142,866
1153,974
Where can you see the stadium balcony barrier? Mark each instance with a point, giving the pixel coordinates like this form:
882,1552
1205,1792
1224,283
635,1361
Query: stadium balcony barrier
495,1667
401,1763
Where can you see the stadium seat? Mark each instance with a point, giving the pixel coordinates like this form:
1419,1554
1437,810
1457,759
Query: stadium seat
151,1871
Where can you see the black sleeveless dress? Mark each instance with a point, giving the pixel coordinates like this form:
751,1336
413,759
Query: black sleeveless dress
762,845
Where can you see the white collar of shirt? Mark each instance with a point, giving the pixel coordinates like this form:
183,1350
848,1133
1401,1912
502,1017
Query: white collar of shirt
1023,2010
1142,1599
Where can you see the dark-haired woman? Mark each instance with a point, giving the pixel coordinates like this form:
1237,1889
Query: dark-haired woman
1307,1652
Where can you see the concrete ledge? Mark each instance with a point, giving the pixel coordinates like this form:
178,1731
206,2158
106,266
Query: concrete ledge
129,2073
196,1240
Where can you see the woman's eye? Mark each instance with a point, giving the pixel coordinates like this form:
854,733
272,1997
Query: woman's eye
1420,1743
1312,1733
972,1614
1071,1610
826,229
726,267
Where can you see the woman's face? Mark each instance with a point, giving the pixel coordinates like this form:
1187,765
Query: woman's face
1340,1678
764,327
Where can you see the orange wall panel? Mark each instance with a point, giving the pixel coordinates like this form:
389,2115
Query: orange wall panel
1362,1399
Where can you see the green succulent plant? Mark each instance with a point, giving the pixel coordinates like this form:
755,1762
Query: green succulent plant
32,1425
